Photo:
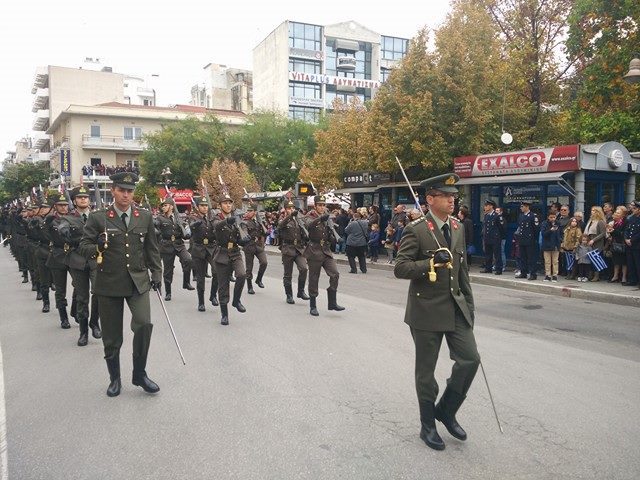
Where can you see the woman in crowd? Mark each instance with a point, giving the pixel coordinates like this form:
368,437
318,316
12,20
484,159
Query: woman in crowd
596,229
615,230
357,242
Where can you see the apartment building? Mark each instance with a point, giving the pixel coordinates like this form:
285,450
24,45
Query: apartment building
300,68
224,88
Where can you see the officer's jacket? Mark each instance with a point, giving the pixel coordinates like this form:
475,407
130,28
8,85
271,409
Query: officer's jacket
227,237
292,236
493,228
320,235
131,253
74,258
57,229
19,230
432,306
528,229
170,235
256,244
203,237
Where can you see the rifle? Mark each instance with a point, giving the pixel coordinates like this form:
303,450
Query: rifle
240,225
330,223
96,191
205,190
63,183
174,213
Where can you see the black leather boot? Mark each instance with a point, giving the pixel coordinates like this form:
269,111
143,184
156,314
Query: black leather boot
333,305
224,320
94,320
64,319
25,277
250,289
213,295
289,292
34,286
301,293
38,292
428,431
261,270
141,342
312,307
445,412
237,292
186,284
45,300
84,332
201,300
113,365
167,291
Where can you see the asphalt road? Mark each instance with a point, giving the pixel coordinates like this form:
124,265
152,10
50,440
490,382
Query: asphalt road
279,394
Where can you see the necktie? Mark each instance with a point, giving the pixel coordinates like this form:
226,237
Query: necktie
124,219
84,218
447,235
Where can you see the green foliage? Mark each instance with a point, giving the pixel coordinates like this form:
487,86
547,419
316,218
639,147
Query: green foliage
269,144
186,147
144,187
18,179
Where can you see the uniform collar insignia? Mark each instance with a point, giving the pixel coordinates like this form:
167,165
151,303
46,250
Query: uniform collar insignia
430,225
136,213
111,213
451,180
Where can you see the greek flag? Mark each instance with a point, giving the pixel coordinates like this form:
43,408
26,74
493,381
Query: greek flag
570,259
596,260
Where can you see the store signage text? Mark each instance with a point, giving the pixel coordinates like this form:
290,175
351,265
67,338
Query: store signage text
331,80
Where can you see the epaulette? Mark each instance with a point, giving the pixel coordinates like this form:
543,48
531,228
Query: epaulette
417,221
454,219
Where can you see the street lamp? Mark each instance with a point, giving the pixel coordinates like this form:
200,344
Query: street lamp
293,166
633,75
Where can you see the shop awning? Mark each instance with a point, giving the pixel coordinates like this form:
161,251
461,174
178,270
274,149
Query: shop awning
372,188
525,178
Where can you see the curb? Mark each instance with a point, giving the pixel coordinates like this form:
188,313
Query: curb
568,291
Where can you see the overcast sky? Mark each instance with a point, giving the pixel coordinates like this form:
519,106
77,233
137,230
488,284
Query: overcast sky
171,39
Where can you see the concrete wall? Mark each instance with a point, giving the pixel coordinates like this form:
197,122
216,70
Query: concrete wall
271,71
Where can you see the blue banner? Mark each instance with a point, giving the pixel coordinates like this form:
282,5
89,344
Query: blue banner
65,162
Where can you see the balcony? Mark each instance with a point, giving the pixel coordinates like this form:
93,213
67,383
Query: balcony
41,100
41,122
41,79
40,141
346,63
110,142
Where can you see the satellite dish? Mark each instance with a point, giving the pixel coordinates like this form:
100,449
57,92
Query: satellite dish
506,138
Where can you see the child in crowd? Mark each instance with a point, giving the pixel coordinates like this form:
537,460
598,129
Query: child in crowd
584,264
550,246
374,242
388,243
570,241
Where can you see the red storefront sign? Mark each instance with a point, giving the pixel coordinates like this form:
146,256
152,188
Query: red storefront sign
181,197
554,159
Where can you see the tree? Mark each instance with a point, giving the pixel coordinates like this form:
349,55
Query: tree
186,147
269,143
146,190
603,38
235,175
18,179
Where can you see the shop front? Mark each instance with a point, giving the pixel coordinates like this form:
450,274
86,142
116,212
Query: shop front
580,176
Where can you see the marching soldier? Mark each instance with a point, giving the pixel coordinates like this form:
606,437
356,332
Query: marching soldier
31,247
57,255
171,242
203,249
82,271
294,239
41,251
122,240
318,254
440,303
255,248
19,241
228,258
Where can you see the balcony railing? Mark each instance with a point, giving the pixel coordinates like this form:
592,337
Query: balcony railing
110,142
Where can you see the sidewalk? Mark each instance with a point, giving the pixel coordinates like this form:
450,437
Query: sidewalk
601,291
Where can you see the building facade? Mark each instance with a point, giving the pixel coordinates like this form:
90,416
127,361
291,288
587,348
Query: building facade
299,69
224,88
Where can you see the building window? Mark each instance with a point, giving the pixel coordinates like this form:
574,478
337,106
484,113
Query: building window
344,97
133,163
132,133
302,35
308,114
147,102
362,56
384,74
95,131
305,90
304,66
394,48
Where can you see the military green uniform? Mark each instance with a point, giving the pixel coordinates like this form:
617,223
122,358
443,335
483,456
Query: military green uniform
318,254
255,249
293,242
123,275
171,245
203,249
440,308
41,254
228,259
